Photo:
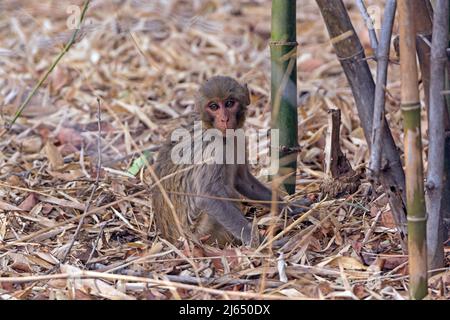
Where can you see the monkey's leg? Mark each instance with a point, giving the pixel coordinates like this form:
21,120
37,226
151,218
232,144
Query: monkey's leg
208,226
228,215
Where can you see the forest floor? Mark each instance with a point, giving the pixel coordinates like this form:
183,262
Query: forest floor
144,60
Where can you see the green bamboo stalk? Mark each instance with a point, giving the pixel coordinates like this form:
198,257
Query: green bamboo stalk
415,199
283,52
58,58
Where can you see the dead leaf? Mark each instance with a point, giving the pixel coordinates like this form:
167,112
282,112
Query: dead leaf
347,263
9,207
393,262
67,149
360,291
47,208
59,79
95,286
53,156
61,202
32,144
292,293
15,181
29,202
387,220
70,136
66,176
310,65
40,262
20,262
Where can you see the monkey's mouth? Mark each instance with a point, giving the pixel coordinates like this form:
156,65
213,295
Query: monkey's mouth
224,129
228,132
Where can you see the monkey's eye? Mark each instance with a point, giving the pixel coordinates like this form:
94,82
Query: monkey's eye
213,106
229,103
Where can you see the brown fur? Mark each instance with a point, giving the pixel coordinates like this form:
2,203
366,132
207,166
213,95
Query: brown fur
221,88
221,221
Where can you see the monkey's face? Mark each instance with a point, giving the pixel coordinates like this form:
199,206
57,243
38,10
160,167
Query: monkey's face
224,114
221,102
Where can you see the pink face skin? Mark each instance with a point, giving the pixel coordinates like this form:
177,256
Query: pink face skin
224,113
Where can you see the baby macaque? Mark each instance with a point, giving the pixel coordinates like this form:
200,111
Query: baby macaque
202,193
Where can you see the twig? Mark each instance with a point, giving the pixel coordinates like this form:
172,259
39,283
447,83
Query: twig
100,233
273,213
382,55
371,229
292,225
425,40
93,211
160,283
58,58
185,257
204,281
368,20
310,233
155,178
94,187
63,223
112,161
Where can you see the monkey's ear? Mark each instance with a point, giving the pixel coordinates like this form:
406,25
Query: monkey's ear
199,100
246,95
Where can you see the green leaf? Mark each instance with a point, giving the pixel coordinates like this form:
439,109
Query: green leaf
139,163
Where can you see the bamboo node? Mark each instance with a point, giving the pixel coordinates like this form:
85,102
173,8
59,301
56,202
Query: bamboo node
430,185
417,219
360,52
289,150
410,106
282,43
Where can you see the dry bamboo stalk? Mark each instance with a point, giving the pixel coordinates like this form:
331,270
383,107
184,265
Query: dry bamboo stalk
424,25
351,55
446,199
436,132
382,55
332,147
336,164
413,154
368,20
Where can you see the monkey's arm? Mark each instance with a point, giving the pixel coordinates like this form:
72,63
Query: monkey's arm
250,187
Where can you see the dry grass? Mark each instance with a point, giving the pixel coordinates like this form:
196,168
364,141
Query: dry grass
145,61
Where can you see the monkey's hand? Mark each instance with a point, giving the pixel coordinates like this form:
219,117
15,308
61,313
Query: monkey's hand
256,239
296,207
251,238
278,244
